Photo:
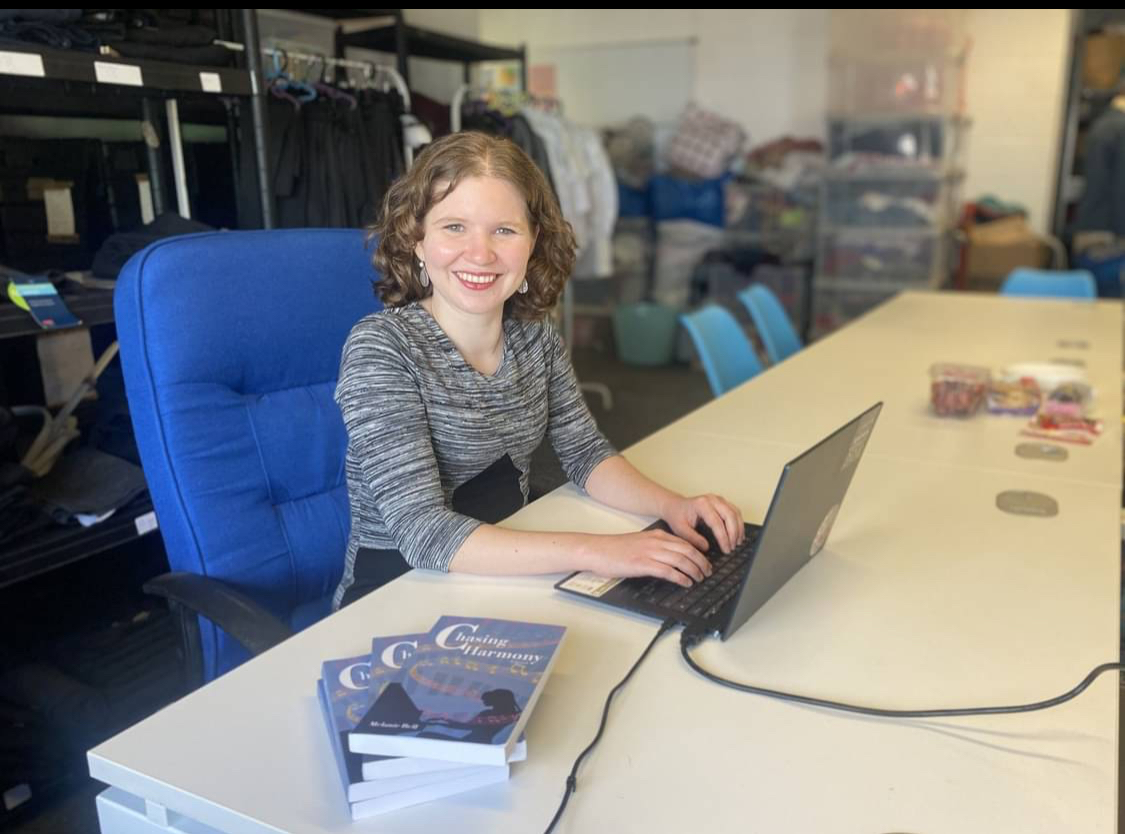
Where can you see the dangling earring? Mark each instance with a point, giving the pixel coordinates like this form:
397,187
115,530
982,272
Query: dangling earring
523,287
423,275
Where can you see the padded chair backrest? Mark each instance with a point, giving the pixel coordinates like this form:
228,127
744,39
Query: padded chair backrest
230,347
771,321
1044,283
727,355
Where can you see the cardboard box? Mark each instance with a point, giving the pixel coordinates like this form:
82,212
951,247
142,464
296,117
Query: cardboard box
1102,58
996,248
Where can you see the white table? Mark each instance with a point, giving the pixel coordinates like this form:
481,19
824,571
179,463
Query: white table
926,595
886,355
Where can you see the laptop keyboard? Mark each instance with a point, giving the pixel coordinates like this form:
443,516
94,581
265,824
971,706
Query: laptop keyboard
703,599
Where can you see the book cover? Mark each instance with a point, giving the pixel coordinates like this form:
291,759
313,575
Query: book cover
384,788
388,654
346,685
343,690
466,693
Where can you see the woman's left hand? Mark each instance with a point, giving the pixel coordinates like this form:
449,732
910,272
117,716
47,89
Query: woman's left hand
724,519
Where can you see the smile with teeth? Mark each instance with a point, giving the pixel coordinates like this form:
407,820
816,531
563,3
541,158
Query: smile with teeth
478,278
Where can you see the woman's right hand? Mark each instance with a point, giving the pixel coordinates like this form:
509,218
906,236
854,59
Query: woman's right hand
648,553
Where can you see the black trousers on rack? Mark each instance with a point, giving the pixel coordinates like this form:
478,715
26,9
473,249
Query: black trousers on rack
330,163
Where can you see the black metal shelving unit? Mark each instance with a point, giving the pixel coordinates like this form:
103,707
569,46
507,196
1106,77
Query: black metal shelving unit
60,546
31,66
43,81
389,32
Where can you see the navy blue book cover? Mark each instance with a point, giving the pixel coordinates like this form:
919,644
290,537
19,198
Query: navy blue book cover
471,680
345,683
350,685
388,655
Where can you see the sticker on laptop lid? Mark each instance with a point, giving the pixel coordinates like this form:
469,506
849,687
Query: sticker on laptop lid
589,584
859,442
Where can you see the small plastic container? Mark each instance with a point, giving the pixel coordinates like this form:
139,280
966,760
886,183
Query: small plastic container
1021,396
1069,400
957,390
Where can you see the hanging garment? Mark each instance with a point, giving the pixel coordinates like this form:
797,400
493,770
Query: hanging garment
1102,208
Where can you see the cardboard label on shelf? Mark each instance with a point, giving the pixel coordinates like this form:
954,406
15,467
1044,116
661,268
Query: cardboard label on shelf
66,358
14,797
146,523
21,63
126,74
211,82
59,203
144,193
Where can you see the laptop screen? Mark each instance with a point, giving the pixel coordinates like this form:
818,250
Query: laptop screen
800,517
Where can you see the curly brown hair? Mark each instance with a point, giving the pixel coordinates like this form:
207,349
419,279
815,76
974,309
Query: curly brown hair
435,173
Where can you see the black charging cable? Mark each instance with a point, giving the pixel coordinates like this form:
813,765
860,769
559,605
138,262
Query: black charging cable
691,638
572,779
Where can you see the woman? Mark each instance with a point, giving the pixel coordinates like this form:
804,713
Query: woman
448,391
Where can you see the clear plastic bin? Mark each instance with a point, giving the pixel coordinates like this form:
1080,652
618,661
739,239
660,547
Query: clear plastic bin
834,307
859,32
890,202
909,83
904,259
957,390
878,143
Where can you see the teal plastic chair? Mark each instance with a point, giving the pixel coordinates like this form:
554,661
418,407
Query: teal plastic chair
1043,283
725,350
776,331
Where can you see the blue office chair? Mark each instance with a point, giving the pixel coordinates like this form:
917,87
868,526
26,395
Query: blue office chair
1043,283
230,348
727,355
771,321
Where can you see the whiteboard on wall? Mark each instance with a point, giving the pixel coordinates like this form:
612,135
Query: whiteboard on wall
607,84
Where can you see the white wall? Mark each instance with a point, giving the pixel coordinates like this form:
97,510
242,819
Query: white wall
767,69
440,79
761,67
1016,95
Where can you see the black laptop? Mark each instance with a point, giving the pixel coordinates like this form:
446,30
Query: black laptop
800,517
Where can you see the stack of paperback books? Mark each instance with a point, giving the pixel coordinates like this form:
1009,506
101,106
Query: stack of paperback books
429,715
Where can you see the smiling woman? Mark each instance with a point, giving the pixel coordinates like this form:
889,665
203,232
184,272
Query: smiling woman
448,391
474,256
411,209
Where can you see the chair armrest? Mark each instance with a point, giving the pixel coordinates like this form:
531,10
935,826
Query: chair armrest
235,613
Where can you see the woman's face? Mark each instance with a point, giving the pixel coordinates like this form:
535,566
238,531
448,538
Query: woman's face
476,245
